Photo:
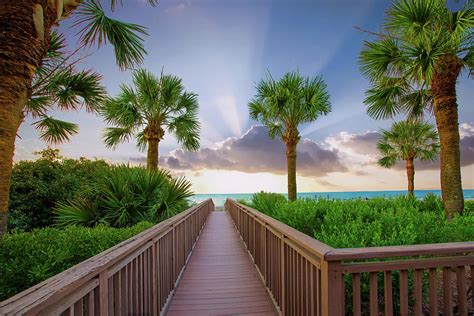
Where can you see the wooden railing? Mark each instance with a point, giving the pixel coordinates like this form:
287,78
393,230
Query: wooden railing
307,277
135,277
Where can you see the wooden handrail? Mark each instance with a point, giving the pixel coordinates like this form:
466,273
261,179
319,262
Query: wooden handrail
399,251
148,264
307,277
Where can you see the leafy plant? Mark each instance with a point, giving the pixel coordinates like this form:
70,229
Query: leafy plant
267,203
28,258
125,195
38,186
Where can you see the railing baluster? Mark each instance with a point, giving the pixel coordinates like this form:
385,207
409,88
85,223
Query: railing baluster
388,293
447,292
433,291
461,284
418,291
374,299
404,293
356,294
103,294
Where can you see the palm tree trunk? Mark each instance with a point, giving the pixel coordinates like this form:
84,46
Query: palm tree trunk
24,26
443,84
411,176
291,162
152,154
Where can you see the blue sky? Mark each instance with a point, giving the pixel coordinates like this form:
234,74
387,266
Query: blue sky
220,49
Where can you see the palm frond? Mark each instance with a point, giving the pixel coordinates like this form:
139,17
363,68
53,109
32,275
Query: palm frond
38,105
98,28
73,89
122,111
55,131
186,129
116,135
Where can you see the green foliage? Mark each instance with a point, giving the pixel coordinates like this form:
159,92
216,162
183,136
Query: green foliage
267,203
99,28
123,196
284,104
58,85
469,207
367,223
37,186
29,258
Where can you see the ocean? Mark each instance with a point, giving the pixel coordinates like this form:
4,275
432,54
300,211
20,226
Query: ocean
219,199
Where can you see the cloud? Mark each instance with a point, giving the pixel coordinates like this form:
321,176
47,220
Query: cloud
254,152
361,149
178,6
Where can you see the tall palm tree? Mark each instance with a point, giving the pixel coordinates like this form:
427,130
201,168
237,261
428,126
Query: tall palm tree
285,104
147,108
424,47
25,28
408,140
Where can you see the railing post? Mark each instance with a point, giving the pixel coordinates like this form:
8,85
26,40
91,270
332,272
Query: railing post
104,293
155,309
173,254
282,275
332,290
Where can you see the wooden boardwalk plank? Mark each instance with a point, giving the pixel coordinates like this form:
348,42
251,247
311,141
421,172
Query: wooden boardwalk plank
220,278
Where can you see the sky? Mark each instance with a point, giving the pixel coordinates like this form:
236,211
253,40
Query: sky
221,49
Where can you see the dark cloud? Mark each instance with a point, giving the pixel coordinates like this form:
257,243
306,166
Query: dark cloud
366,143
255,151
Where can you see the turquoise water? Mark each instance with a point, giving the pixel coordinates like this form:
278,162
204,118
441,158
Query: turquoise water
219,199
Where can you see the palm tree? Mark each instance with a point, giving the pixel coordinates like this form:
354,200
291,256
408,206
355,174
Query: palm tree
408,140
25,28
419,55
285,104
145,110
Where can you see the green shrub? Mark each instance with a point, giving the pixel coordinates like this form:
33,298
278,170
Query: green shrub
37,187
124,195
267,203
27,258
469,207
366,223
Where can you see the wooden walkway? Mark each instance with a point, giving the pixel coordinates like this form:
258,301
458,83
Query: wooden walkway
220,278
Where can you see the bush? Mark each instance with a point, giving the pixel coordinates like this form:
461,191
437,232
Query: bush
27,258
267,203
123,196
37,187
366,223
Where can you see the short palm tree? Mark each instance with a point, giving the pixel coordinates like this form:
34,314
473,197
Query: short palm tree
24,44
147,108
408,140
285,104
419,56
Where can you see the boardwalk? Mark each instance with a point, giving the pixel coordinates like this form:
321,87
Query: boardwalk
220,278
305,276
